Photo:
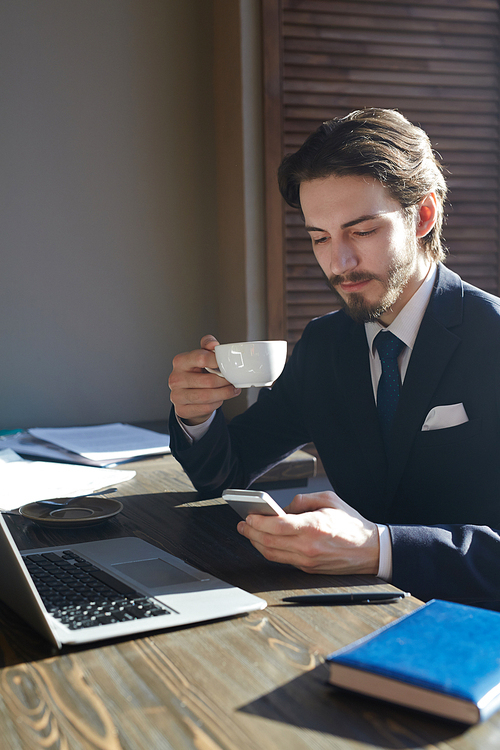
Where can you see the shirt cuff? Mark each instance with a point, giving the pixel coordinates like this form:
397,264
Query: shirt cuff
194,432
385,558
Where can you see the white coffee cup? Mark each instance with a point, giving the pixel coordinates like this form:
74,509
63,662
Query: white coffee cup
248,363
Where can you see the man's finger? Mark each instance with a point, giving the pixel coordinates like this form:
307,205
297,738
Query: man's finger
209,342
275,525
314,501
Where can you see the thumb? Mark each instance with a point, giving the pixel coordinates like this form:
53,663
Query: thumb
209,342
313,501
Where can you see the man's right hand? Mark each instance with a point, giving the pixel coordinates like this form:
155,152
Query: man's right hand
194,392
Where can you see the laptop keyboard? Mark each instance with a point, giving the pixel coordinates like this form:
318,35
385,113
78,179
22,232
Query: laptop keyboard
81,595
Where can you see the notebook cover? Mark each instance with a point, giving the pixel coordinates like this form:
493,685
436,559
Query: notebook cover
447,647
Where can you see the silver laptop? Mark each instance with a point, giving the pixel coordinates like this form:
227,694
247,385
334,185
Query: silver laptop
109,589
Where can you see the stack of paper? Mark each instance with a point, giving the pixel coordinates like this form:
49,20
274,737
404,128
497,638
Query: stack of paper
100,445
24,482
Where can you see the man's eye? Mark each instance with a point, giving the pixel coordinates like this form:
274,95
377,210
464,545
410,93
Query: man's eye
319,240
365,234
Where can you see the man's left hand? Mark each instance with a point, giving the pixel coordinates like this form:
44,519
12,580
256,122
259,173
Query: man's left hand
319,534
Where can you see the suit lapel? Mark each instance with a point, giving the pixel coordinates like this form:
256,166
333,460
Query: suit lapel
355,376
434,346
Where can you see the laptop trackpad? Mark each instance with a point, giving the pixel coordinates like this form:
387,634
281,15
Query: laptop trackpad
154,573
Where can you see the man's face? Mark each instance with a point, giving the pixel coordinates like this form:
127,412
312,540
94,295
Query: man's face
365,245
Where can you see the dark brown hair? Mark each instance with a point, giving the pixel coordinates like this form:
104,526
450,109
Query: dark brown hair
376,142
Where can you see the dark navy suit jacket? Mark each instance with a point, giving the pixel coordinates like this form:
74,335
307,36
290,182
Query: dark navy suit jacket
438,490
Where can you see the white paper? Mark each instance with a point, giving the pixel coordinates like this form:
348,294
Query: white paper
31,446
23,482
106,442
7,456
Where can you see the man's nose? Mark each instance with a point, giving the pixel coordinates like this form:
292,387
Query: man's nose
343,259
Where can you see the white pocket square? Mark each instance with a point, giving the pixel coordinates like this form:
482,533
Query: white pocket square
442,417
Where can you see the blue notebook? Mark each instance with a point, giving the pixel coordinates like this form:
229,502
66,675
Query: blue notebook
443,658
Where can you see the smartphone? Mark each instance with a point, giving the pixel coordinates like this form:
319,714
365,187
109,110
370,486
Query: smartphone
245,502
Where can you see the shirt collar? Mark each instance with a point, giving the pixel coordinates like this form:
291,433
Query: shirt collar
406,324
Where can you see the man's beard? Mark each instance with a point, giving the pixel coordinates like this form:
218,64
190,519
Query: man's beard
398,276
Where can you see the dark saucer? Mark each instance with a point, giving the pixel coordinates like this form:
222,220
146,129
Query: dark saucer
78,512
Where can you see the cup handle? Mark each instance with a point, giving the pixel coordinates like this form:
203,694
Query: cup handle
215,372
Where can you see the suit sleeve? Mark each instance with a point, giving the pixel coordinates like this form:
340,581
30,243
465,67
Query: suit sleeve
235,454
459,563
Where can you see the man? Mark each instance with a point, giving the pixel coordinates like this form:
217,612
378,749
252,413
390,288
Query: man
415,467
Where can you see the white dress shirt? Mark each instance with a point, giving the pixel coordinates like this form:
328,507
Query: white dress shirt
405,326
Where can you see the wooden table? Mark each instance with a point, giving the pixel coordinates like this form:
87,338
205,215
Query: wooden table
245,683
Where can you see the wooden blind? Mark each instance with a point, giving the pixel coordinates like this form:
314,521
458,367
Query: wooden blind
434,60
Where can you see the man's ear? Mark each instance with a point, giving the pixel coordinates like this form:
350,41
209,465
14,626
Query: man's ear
427,214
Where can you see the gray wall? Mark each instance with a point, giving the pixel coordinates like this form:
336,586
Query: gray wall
109,230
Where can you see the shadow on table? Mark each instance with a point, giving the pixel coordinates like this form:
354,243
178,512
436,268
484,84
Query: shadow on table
309,702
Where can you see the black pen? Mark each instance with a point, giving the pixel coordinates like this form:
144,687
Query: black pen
360,597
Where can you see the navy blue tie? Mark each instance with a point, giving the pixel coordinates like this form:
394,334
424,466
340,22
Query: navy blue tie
389,348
